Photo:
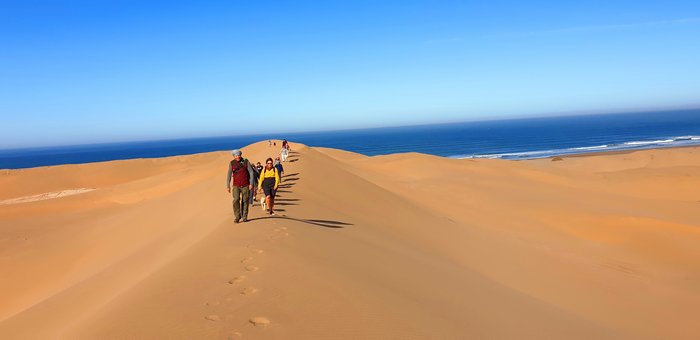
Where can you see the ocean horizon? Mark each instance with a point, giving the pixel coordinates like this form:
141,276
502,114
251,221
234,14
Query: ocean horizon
515,139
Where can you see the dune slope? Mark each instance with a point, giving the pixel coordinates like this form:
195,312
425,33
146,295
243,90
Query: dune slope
404,246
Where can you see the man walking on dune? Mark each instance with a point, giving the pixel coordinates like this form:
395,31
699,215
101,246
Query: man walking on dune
240,170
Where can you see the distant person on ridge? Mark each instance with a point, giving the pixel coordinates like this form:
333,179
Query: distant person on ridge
284,154
268,182
240,170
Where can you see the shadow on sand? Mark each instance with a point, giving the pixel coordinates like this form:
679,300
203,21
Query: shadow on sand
287,199
288,182
320,223
283,203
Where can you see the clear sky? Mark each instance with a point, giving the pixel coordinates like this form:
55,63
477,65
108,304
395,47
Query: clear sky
74,72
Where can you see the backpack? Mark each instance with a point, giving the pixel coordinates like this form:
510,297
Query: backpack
242,164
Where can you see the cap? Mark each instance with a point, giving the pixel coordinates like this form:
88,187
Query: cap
236,152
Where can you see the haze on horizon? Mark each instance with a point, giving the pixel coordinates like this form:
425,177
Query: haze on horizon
79,72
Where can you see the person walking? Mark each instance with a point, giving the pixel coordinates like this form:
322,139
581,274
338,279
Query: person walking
284,154
240,170
268,182
258,168
279,167
254,183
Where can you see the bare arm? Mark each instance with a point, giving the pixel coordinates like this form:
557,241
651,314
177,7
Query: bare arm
228,178
250,175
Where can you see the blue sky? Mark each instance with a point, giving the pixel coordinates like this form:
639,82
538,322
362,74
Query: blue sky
74,72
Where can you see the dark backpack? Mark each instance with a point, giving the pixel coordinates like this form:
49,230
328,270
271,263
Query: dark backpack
242,164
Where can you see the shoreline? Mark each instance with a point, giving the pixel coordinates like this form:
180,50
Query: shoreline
616,152
7,171
693,141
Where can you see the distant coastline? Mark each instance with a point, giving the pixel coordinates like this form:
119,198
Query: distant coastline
541,137
672,142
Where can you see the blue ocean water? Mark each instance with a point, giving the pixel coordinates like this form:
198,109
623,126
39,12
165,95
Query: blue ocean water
508,139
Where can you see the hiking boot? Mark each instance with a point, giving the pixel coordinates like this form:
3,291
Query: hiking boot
245,219
235,221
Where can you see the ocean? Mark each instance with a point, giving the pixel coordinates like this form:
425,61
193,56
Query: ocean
507,139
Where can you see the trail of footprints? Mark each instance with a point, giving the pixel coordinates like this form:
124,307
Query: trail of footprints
247,291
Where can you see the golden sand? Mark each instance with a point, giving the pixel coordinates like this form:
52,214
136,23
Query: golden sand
405,246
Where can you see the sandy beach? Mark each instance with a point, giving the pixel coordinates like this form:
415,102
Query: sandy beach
403,246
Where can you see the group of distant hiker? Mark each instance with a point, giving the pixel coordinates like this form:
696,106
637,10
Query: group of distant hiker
249,179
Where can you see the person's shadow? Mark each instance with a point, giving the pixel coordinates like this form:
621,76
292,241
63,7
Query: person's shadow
320,223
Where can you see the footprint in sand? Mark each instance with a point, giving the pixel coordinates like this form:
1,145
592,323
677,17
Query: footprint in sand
260,321
247,259
212,317
279,236
283,231
235,335
249,291
236,279
256,251
252,268
213,303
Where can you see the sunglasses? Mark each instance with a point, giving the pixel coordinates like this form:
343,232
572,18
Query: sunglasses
269,162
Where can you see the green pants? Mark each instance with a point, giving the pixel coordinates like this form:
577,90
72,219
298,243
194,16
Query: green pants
241,199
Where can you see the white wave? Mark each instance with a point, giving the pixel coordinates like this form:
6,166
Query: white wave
632,145
662,141
597,147
525,154
682,138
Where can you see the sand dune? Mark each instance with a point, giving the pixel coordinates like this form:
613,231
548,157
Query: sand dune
405,246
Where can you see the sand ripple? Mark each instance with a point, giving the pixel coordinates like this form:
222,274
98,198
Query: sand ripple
45,196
